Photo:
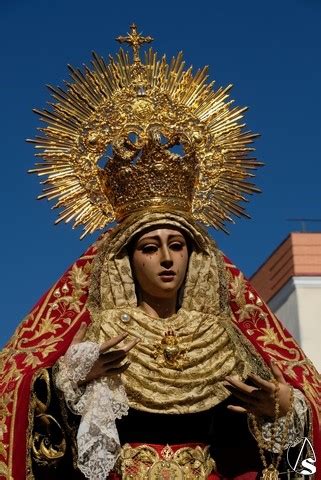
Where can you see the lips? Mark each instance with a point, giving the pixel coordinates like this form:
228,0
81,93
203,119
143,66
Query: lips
167,273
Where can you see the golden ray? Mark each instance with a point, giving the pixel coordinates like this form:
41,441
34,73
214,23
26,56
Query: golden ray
105,105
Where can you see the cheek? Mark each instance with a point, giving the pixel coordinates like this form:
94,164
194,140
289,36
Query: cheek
144,266
183,261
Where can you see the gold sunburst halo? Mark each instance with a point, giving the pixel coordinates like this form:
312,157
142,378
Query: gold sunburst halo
142,112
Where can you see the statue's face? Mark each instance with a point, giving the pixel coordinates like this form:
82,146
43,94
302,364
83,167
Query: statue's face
159,262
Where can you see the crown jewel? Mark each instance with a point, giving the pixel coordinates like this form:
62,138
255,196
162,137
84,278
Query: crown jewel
127,136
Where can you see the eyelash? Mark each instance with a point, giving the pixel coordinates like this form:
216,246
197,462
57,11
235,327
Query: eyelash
153,248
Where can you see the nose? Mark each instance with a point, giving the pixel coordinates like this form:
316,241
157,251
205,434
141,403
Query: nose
166,259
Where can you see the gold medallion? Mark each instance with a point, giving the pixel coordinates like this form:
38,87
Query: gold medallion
169,351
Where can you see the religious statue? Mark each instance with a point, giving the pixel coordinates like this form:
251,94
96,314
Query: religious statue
152,357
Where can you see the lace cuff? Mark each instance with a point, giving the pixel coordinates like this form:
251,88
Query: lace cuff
73,368
298,421
99,403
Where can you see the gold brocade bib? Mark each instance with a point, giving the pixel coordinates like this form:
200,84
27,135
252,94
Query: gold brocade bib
180,362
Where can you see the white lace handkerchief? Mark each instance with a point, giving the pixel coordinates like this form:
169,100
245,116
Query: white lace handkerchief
99,404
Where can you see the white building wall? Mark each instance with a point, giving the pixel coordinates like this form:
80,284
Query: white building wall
298,306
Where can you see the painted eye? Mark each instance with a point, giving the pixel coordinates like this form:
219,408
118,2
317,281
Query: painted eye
177,246
149,249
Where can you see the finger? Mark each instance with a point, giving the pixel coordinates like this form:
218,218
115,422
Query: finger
244,397
131,344
237,408
240,385
277,372
261,383
79,336
117,371
113,365
109,357
112,342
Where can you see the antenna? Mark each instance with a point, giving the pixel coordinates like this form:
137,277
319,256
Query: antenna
304,221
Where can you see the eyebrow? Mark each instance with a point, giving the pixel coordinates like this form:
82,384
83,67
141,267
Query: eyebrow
157,237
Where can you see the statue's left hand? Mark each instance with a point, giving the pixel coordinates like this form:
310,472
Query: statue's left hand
260,399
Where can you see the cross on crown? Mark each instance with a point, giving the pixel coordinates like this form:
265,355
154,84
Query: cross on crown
135,40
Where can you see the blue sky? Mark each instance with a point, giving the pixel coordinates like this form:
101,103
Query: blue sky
269,50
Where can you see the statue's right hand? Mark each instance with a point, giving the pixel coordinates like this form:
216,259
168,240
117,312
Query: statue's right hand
109,361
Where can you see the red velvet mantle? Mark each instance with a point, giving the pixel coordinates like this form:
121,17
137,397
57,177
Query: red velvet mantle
45,334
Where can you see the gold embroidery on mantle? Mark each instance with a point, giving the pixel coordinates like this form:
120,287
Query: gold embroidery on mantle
5,401
259,321
42,322
36,338
46,443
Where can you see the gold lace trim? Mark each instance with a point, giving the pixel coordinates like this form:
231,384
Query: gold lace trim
146,463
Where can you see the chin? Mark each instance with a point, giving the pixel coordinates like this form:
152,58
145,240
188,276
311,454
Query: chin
167,292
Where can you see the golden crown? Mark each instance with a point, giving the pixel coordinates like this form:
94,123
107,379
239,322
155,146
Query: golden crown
128,136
